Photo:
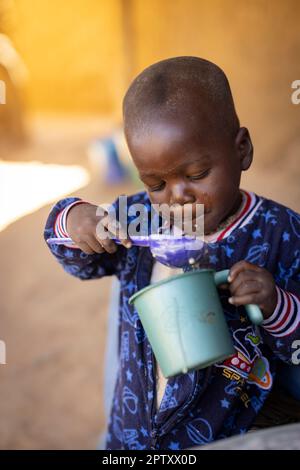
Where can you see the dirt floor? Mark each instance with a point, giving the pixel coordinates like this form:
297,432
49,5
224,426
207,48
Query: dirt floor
54,325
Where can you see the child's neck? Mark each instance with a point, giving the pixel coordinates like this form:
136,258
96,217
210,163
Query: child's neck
233,214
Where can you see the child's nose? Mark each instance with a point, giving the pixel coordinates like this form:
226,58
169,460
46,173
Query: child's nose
180,194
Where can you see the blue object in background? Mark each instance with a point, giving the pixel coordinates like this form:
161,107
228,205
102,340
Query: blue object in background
110,160
104,157
116,172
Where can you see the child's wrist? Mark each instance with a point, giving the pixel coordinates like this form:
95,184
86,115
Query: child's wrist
60,227
271,304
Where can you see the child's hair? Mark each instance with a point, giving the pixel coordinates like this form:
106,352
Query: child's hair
170,87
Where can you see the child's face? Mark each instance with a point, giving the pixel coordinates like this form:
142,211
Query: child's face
181,165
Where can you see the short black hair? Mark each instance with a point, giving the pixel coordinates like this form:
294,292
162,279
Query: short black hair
171,85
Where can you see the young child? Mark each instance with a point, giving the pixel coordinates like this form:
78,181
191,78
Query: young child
187,144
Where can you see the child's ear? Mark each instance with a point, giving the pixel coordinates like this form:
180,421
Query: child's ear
244,148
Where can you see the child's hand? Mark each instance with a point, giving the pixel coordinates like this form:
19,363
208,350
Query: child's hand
250,284
83,224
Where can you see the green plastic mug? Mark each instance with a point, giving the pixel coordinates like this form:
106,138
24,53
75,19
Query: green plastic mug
184,321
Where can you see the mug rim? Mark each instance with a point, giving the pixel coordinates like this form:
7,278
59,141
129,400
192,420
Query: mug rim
164,281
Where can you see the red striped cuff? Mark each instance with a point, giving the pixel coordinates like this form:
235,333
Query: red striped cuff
60,226
286,316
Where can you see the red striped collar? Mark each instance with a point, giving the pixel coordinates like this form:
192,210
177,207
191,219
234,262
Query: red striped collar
249,206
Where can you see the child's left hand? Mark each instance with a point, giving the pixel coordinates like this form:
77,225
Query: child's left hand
250,284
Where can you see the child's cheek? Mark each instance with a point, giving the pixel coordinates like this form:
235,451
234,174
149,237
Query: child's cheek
204,198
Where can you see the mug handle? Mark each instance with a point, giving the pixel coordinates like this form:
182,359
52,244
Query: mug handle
253,311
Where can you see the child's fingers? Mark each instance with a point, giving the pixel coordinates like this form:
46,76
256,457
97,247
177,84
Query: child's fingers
109,228
240,267
109,245
253,298
247,287
123,237
244,281
83,246
95,245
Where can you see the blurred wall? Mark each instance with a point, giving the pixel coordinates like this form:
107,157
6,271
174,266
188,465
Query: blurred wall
81,54
256,42
72,49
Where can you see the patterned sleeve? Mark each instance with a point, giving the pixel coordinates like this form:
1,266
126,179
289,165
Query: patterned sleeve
60,225
73,260
282,330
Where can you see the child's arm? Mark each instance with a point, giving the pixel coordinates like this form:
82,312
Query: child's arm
279,301
281,330
91,259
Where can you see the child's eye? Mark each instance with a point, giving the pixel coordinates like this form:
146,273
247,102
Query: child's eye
158,187
199,176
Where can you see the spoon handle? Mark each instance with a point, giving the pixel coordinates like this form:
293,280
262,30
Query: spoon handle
138,241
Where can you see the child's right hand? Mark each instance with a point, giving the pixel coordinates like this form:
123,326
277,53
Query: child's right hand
83,224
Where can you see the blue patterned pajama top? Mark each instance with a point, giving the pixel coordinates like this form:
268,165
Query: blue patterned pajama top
221,400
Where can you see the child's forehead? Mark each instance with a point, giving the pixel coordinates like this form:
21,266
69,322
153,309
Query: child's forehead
191,117
181,134
170,148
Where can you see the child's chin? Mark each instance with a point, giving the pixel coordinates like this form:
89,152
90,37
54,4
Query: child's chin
209,227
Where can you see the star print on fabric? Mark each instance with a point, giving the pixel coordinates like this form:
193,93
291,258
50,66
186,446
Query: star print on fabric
256,233
225,403
174,446
286,237
131,286
69,254
213,259
228,251
267,215
144,431
129,375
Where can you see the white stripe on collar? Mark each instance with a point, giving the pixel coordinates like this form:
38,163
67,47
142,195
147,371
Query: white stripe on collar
249,206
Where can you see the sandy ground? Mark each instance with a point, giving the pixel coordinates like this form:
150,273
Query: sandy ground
54,325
